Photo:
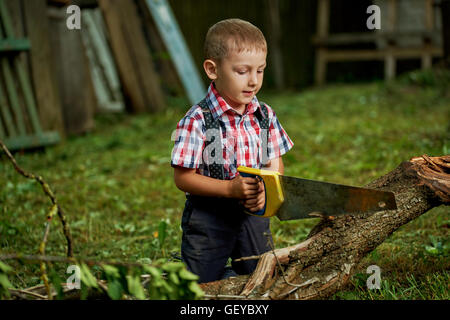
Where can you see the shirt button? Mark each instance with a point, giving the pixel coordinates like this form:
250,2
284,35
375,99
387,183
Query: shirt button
246,148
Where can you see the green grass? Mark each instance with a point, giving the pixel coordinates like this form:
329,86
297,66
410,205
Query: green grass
116,184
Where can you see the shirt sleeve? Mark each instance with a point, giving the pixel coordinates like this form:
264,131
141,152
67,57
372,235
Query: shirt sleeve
279,142
189,140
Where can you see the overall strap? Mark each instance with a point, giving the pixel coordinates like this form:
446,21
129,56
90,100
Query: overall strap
215,169
264,121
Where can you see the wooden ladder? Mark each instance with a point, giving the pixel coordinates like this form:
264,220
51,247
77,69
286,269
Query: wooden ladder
20,127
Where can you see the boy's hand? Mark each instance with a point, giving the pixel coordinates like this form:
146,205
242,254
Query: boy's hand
257,203
244,187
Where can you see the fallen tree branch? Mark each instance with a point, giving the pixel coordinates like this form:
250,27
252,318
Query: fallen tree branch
41,258
323,263
48,191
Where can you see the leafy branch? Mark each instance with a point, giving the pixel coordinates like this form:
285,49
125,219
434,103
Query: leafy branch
118,280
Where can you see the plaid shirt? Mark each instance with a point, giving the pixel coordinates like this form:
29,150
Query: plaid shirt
241,141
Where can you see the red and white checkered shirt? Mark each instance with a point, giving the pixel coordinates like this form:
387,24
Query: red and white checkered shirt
241,141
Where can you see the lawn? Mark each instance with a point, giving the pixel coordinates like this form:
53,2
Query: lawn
116,184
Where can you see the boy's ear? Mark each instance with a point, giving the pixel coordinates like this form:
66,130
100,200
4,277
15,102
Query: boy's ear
210,67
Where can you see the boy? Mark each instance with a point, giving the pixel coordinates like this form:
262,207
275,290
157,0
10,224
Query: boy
228,128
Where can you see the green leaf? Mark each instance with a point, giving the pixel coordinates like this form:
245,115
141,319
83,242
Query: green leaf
56,281
4,286
432,250
84,292
195,288
4,281
111,271
173,266
115,290
135,287
167,287
87,278
162,232
174,278
5,268
154,272
187,275
158,282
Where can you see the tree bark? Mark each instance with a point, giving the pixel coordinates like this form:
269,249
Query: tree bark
322,264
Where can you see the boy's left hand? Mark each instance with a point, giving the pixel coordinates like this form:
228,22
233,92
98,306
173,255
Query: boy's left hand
257,203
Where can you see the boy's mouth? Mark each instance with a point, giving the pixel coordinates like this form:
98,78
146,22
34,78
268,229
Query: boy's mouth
247,93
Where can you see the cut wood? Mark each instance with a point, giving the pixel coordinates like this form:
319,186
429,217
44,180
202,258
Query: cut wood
322,264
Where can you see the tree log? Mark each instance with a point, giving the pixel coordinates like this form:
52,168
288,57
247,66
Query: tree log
322,264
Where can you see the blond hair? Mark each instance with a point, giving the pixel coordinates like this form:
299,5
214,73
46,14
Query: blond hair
232,34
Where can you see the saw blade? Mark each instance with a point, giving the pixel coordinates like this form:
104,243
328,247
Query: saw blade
303,197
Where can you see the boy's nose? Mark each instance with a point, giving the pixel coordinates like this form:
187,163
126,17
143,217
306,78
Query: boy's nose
253,80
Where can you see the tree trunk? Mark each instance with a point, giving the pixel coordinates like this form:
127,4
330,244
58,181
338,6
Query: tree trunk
322,264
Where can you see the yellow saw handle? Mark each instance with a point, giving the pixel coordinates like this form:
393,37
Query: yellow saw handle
272,189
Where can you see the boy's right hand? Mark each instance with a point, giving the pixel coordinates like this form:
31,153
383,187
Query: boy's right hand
244,187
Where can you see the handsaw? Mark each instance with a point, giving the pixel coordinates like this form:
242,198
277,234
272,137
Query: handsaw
291,198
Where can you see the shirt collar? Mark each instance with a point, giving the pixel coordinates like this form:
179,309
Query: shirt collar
219,106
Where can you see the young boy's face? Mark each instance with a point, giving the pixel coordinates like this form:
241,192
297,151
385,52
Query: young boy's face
239,76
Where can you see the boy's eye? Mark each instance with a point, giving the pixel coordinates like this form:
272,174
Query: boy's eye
260,71
241,71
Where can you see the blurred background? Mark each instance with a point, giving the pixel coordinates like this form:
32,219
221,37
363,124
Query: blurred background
92,90
55,79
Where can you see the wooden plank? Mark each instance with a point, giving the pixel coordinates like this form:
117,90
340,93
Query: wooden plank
48,103
322,29
23,79
122,56
105,78
359,55
6,115
3,106
320,71
429,15
170,79
13,96
139,79
32,141
367,37
445,14
179,52
7,66
390,64
98,78
77,95
12,45
323,18
426,58
28,95
429,23
148,77
392,15
106,56
2,130
14,8
274,41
